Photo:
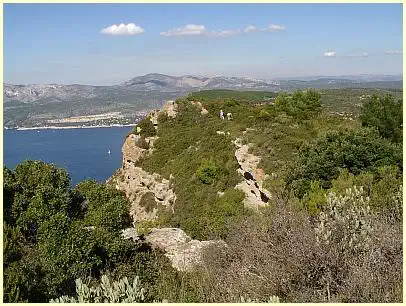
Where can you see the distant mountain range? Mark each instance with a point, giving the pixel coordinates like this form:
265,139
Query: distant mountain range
164,83
34,104
148,83
357,77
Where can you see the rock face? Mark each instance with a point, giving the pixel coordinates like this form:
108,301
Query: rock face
183,252
131,152
203,111
136,182
171,109
255,195
153,116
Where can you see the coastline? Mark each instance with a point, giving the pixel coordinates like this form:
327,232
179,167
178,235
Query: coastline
69,127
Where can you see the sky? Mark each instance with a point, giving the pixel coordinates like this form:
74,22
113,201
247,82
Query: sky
106,44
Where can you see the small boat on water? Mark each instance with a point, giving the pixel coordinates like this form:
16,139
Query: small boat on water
109,152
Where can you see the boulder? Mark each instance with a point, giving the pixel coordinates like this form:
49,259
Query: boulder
130,233
199,105
171,108
183,252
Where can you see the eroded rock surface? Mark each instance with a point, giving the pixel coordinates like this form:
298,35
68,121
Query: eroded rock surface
255,195
136,182
132,152
153,116
203,111
171,109
183,252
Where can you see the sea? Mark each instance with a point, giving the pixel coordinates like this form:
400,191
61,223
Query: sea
85,153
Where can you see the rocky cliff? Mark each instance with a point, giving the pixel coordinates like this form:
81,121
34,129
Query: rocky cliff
149,193
136,182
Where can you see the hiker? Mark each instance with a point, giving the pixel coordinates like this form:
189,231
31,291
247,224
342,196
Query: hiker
229,116
221,114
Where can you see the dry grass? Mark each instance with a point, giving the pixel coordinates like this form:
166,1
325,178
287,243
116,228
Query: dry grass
277,254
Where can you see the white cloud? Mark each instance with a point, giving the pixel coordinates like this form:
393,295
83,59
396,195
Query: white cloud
250,29
330,54
187,30
393,52
365,54
123,29
274,28
224,33
200,30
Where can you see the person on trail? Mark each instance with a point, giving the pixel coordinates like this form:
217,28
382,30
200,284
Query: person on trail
221,114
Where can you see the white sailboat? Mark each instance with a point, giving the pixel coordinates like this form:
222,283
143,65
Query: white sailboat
109,152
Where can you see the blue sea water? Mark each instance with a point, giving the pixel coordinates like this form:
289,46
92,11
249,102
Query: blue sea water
82,152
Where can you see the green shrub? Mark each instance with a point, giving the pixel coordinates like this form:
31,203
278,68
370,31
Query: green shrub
300,104
264,115
315,199
231,102
147,128
207,171
107,206
162,117
356,151
385,114
10,186
24,281
37,191
387,191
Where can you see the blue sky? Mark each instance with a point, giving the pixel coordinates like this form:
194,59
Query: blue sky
79,43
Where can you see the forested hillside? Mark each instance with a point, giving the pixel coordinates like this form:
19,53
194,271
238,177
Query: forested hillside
305,196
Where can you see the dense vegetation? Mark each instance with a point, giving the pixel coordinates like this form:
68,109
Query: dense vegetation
332,230
385,114
55,234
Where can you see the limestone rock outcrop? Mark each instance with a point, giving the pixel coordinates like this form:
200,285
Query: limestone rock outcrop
136,182
130,233
153,116
255,195
183,252
132,152
171,108
203,111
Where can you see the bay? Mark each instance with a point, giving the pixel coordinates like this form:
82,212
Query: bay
84,153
